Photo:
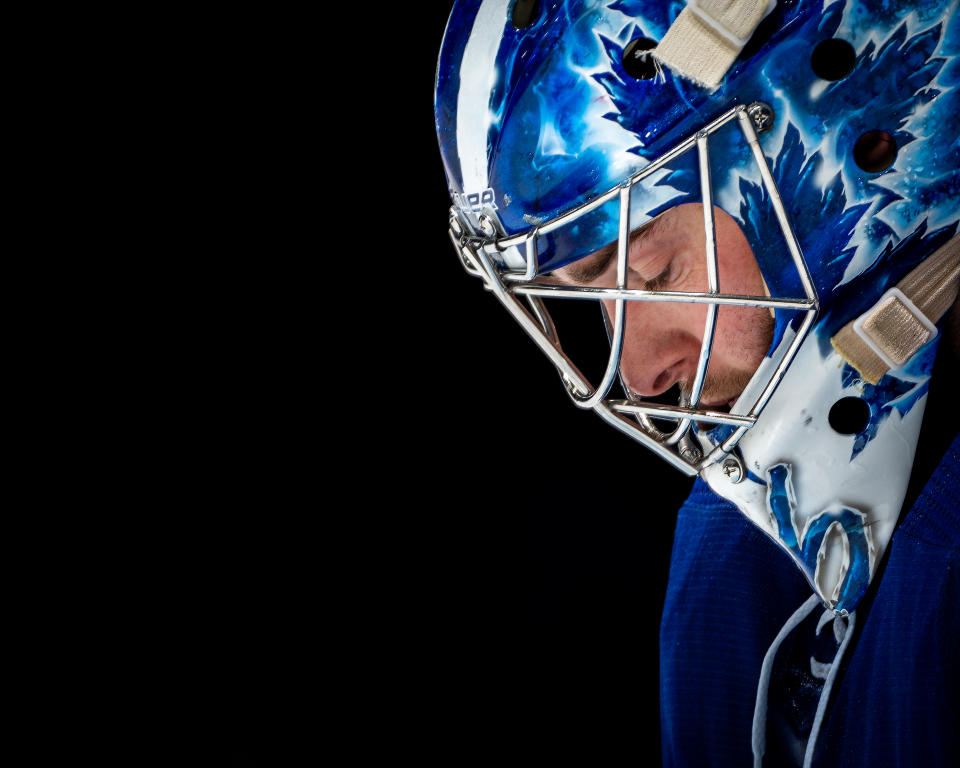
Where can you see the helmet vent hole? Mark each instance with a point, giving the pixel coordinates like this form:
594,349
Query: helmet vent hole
525,13
833,59
636,58
875,151
849,415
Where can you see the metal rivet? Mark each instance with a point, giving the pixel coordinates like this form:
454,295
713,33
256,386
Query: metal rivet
689,450
762,115
486,225
733,469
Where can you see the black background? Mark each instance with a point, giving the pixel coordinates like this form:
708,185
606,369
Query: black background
533,541
405,535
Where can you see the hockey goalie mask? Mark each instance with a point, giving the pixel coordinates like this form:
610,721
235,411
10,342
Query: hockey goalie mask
762,199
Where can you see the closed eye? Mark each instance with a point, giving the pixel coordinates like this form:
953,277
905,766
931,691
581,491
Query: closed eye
659,282
592,267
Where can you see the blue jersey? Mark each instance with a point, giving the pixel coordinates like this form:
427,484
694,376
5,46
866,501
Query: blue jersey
745,656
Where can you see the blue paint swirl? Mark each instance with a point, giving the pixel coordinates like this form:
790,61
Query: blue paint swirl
782,507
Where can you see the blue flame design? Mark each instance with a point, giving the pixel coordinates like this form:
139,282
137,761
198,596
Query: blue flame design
781,506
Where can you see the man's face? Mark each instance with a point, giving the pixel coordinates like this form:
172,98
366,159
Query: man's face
662,340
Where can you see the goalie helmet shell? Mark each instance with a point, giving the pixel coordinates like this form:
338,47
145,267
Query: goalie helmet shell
536,122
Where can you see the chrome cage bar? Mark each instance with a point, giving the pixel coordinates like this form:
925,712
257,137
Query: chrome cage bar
507,285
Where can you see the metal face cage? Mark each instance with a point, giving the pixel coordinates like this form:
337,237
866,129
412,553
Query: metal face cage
633,416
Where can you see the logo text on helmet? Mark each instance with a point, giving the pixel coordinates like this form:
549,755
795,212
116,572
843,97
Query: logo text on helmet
474,201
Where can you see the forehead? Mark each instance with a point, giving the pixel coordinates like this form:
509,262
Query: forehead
591,266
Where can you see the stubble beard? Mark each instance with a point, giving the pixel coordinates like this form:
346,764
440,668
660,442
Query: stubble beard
723,387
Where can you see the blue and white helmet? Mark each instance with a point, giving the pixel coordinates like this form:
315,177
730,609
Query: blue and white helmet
828,131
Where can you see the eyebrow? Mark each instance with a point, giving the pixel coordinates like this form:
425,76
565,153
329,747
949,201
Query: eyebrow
600,260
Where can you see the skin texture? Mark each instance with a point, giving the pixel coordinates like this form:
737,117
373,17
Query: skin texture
662,340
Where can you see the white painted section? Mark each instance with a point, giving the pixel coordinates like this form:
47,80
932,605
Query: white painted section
794,428
478,76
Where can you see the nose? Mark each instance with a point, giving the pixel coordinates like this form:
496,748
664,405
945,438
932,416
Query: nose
659,348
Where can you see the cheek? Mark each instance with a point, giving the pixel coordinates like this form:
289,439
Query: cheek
743,336
744,333
738,270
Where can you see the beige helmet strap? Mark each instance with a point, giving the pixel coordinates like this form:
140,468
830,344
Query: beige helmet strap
708,35
903,320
